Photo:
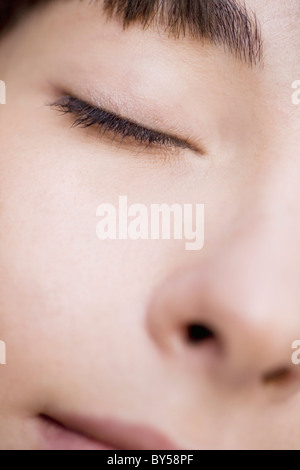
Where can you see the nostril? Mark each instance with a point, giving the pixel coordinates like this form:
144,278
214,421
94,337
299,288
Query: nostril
199,333
279,376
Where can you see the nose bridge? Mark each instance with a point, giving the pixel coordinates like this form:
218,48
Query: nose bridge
265,230
259,259
253,276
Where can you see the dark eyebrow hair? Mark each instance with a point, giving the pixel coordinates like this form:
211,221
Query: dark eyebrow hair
228,23
223,22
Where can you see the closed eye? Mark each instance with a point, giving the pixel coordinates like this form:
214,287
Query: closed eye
87,116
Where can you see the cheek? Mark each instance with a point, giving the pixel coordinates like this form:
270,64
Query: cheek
65,297
60,287
53,272
49,247
57,278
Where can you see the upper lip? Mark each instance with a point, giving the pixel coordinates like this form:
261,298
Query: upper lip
117,434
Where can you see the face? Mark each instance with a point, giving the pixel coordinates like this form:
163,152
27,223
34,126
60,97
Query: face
99,334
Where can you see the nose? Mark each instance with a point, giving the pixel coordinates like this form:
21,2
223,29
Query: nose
236,311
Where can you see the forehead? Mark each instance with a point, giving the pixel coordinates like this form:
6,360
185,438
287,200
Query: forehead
279,19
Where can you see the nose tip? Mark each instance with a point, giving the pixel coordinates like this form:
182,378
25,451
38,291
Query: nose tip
193,316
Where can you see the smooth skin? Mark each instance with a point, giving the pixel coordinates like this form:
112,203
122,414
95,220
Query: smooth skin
97,328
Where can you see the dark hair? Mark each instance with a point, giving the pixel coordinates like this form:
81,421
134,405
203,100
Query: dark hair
10,10
225,22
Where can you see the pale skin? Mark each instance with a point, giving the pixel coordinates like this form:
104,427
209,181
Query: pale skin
96,327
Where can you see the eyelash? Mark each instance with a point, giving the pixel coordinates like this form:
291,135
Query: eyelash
91,116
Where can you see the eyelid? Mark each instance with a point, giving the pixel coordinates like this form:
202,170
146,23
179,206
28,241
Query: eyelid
89,115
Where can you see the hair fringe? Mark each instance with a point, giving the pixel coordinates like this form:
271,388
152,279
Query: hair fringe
223,22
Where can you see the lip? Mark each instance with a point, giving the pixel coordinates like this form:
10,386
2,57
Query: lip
85,433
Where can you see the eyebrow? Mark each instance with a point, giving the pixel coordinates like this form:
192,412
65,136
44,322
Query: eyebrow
221,22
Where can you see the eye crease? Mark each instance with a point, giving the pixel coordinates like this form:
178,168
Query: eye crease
87,116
